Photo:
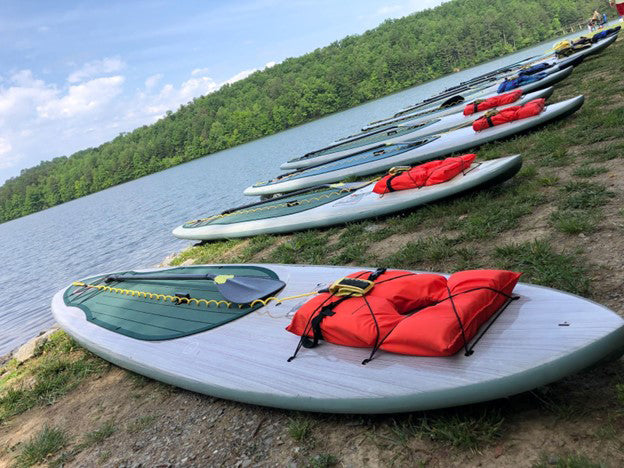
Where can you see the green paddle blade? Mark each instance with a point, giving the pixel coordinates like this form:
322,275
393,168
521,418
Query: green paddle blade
238,289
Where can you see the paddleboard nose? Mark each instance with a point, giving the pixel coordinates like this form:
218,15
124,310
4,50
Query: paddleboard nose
180,232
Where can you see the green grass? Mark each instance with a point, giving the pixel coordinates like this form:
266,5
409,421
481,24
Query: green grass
300,428
98,435
564,407
548,180
586,171
207,253
105,455
10,371
607,431
568,461
323,460
60,368
575,221
464,430
431,249
42,445
619,392
303,247
542,264
613,150
583,195
579,207
257,244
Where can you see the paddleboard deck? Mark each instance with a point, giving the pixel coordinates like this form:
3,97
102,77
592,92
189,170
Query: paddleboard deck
541,337
342,203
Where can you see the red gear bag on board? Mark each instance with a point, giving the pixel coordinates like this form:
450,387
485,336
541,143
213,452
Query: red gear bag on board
530,109
408,313
430,173
485,104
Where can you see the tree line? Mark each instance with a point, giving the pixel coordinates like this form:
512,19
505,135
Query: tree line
398,54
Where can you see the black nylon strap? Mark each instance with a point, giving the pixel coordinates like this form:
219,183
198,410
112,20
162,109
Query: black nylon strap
376,274
389,181
314,322
316,326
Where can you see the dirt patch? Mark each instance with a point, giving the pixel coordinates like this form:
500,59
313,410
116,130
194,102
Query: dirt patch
157,425
594,148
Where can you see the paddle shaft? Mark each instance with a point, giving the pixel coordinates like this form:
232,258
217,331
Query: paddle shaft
239,289
160,277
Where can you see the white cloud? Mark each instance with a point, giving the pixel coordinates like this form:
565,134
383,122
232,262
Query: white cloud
82,98
400,8
152,105
245,73
40,120
155,105
152,81
5,146
24,78
197,87
22,96
7,159
95,68
241,75
200,71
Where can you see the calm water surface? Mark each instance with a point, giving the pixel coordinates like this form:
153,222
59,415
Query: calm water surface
129,226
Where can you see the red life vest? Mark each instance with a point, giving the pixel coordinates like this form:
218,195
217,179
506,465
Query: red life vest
408,313
485,104
430,173
530,109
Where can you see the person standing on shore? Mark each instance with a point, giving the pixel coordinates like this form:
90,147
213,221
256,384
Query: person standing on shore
594,21
619,6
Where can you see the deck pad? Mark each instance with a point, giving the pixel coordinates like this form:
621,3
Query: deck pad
283,207
155,314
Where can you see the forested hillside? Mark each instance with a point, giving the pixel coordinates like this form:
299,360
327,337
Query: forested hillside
396,55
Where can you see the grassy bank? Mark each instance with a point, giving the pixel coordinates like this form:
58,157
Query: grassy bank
560,221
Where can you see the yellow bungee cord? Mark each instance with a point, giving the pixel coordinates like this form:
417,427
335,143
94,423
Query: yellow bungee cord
188,300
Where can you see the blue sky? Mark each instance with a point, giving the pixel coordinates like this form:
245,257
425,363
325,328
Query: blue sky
75,74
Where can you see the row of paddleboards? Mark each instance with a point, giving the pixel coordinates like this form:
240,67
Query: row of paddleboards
472,91
403,139
219,329
336,204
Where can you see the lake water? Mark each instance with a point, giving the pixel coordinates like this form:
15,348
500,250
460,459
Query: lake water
129,226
